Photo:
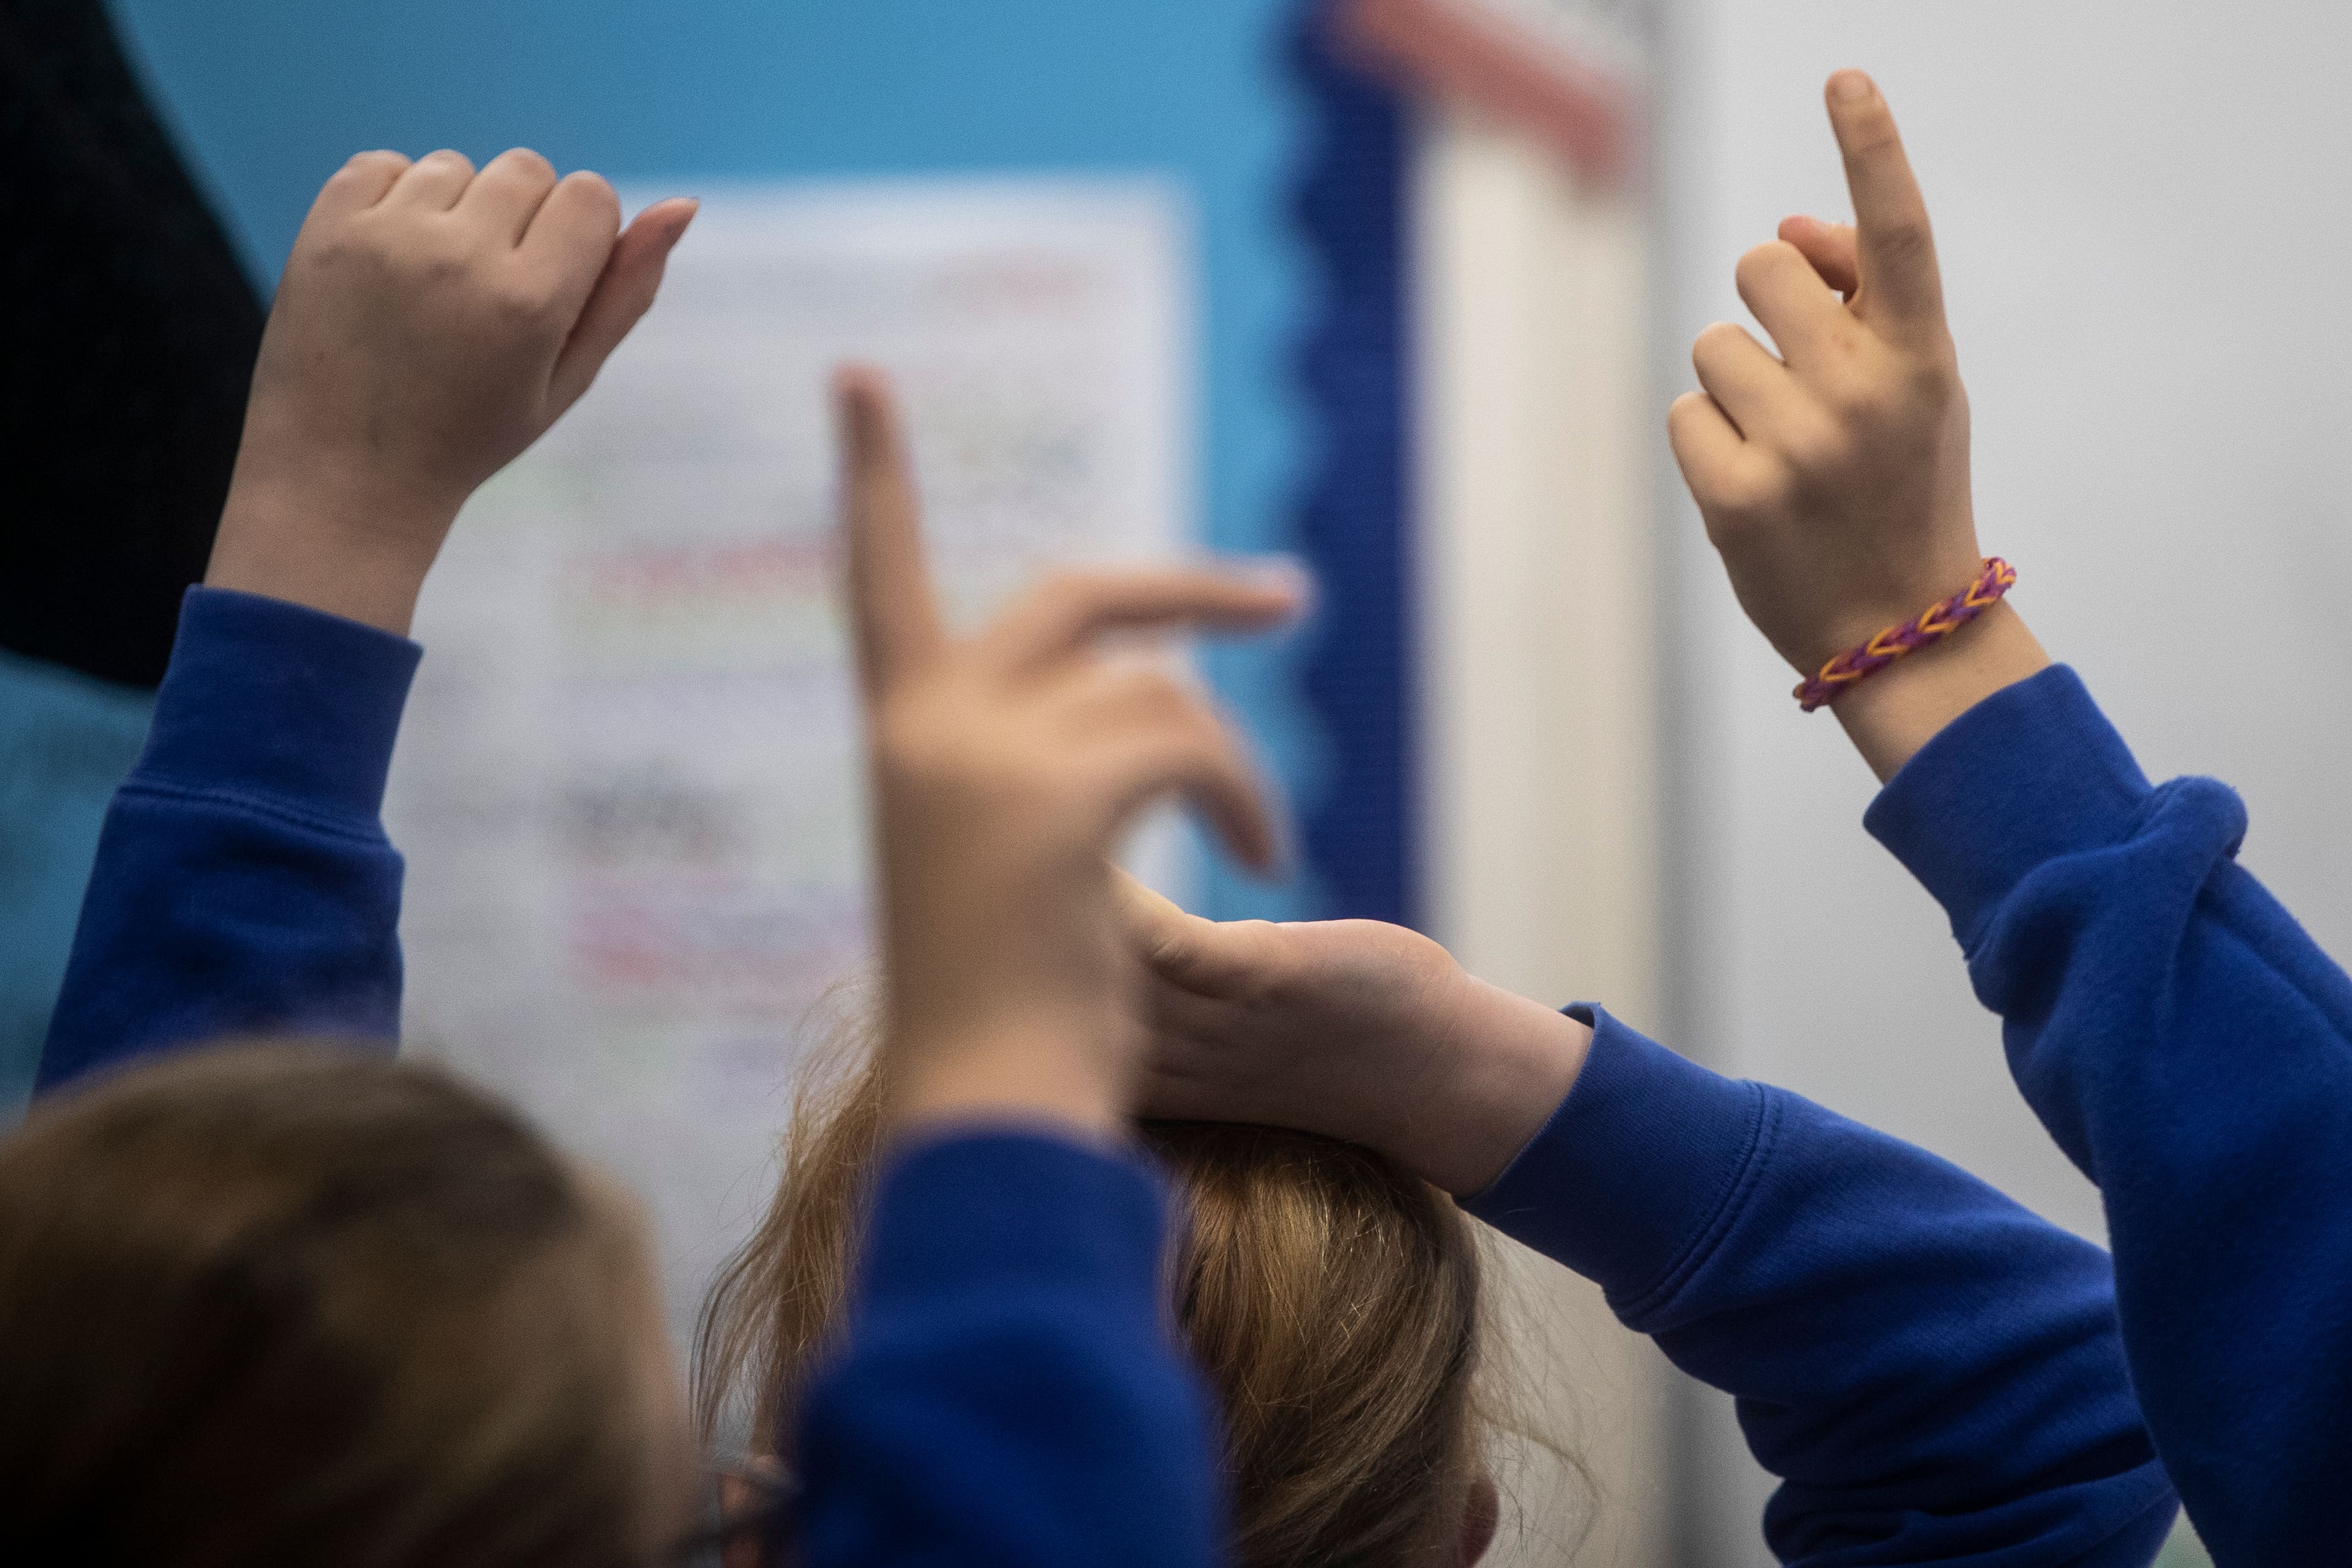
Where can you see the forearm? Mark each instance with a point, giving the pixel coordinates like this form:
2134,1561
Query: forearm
1931,1370
2191,1048
1006,1391
243,882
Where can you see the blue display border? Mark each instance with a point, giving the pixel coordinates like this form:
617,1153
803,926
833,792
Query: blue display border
1354,370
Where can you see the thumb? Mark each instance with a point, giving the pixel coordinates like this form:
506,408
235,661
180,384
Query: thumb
625,291
1176,946
1831,249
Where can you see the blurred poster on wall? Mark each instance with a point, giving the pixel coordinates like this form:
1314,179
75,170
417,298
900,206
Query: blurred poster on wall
628,785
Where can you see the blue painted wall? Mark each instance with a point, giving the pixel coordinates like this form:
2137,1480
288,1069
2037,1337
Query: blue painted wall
271,94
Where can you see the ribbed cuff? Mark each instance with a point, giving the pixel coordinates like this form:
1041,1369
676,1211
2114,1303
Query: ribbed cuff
985,1209
272,699
1638,1169
2033,772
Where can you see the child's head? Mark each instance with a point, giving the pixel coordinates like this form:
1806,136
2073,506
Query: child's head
1332,1300
287,1305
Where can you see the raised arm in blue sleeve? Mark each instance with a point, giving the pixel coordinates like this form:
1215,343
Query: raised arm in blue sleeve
2191,1048
1007,1395
1007,1392
243,880
1933,1371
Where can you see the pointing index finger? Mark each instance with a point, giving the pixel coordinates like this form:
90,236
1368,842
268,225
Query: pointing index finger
892,608
1896,247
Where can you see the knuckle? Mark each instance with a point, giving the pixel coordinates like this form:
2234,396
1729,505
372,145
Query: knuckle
522,300
1862,396
1748,492
594,190
1904,242
437,267
1869,136
1716,343
405,250
1714,336
1930,381
1818,446
344,248
1758,263
1683,412
528,161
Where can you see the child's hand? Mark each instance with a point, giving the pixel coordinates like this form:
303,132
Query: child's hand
432,323
1004,767
1834,478
1353,1028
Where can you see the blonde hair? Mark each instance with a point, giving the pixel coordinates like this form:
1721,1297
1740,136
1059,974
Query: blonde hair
283,1304
1331,1298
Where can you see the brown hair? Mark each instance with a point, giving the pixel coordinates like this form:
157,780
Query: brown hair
287,1304
1331,1298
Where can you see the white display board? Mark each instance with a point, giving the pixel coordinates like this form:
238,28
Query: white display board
628,785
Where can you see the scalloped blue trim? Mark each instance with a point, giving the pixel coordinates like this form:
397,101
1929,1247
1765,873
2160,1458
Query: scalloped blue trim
1355,526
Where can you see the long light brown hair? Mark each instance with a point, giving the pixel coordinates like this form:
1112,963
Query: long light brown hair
286,1304
1331,1298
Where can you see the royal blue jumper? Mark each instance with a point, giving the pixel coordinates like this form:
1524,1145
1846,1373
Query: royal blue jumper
1936,1374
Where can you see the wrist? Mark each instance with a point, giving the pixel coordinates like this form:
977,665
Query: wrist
1508,1061
1897,710
1891,598
1033,1074
349,548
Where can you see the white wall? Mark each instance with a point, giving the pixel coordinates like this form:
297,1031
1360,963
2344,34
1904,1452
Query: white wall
2146,222
1539,610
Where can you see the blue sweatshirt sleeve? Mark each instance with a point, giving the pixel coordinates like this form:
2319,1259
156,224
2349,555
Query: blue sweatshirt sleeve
1933,1371
1007,1392
2191,1048
243,880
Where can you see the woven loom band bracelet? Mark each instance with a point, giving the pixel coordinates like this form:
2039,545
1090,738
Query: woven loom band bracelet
1935,624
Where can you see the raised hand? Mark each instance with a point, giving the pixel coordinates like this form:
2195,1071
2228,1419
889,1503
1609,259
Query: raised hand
1354,1028
432,323
1833,477
1004,767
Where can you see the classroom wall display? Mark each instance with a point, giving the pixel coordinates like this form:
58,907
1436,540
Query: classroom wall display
576,793
269,96
630,783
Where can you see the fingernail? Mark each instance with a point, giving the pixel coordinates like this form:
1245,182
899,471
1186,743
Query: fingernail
1850,86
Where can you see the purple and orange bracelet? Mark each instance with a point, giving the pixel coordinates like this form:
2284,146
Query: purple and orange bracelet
1937,622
